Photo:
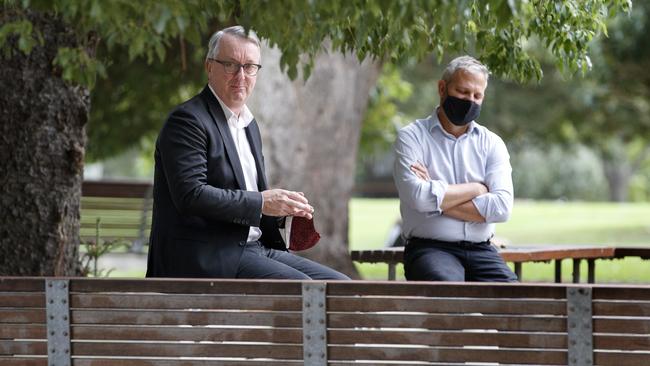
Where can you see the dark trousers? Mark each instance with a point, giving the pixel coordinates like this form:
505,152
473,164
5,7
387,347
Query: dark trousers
433,260
257,261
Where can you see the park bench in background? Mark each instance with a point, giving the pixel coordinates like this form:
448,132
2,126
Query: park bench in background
165,322
522,254
124,210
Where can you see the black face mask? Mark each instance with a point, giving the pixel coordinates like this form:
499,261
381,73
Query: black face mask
460,111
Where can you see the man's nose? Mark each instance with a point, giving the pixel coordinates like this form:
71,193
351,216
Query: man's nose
240,71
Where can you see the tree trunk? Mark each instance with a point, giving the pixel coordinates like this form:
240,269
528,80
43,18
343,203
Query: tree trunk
41,155
617,168
311,134
618,177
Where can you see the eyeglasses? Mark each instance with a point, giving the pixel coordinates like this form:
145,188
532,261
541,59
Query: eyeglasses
233,67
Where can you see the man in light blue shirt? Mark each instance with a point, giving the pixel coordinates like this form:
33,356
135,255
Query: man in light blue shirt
454,182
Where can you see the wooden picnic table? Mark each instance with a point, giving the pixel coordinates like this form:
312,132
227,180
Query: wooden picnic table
522,254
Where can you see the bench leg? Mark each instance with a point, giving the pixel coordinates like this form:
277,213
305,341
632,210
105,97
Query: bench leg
558,271
591,270
391,271
576,270
518,271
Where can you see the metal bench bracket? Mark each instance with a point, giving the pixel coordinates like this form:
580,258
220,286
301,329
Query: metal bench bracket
579,326
57,303
314,323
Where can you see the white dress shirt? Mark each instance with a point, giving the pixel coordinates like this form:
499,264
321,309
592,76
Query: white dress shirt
236,125
478,155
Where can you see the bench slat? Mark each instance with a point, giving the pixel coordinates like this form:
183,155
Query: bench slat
183,362
448,338
448,322
22,361
25,300
91,188
447,289
618,359
143,301
622,325
446,305
547,253
22,316
31,331
642,252
173,333
510,254
106,238
448,354
101,207
189,286
107,226
628,308
639,342
154,350
617,293
15,284
23,348
277,319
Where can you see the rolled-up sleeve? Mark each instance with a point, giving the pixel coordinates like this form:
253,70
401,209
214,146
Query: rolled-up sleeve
496,205
418,194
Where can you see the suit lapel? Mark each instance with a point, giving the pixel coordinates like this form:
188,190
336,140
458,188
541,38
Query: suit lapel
255,141
220,120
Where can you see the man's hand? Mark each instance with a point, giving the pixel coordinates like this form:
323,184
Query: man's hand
420,171
280,202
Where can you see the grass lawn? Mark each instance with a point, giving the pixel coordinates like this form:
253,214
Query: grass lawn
532,222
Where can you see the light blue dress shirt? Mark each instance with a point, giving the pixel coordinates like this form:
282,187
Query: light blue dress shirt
479,155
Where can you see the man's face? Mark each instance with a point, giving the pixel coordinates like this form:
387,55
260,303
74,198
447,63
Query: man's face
233,89
464,84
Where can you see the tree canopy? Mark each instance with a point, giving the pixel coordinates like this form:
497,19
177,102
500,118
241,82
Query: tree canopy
498,31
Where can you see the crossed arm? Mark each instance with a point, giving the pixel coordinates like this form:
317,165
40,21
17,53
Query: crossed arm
457,201
487,201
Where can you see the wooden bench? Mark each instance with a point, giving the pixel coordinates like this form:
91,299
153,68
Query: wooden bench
123,209
118,322
522,254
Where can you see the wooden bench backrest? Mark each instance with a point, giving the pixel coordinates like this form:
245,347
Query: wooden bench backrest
230,322
124,210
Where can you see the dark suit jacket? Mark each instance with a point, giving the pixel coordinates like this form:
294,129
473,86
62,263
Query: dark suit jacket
202,212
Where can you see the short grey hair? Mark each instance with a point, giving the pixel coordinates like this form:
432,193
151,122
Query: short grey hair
237,31
468,63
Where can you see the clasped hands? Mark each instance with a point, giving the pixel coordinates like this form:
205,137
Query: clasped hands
281,202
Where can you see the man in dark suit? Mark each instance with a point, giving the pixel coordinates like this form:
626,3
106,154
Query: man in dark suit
213,213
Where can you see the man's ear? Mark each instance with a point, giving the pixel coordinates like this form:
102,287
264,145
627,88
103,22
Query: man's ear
442,86
207,66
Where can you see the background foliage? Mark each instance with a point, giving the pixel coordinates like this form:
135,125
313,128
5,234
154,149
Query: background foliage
149,52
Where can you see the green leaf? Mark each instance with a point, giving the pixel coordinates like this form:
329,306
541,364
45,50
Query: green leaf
23,29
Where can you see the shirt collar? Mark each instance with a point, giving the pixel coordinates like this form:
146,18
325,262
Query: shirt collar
241,121
434,122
